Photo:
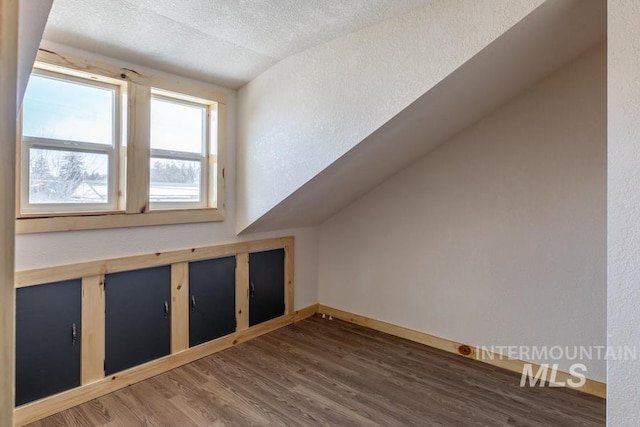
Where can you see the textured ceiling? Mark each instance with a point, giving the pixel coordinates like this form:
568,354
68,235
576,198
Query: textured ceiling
550,37
228,42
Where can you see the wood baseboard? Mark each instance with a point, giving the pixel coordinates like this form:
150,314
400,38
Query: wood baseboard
306,312
50,405
593,387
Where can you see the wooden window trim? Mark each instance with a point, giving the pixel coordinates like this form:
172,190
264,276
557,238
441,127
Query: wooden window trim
133,209
93,221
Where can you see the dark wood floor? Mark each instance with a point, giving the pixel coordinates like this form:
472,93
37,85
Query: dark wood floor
322,372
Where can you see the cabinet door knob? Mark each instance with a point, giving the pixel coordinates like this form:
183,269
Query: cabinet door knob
193,302
166,309
74,334
252,289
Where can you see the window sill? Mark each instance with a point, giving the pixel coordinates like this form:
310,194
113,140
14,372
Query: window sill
96,221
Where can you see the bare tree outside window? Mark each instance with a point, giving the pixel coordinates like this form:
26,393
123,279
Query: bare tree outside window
71,174
67,177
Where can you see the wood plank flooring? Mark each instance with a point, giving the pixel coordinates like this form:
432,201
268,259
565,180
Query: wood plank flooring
322,372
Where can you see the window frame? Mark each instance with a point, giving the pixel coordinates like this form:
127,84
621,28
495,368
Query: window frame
133,207
26,143
202,157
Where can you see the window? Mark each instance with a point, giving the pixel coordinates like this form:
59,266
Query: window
116,149
179,151
69,145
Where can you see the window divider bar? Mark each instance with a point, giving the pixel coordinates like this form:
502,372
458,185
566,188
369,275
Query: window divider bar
177,155
138,147
60,145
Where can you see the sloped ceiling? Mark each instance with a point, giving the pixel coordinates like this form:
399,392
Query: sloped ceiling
551,36
227,42
231,42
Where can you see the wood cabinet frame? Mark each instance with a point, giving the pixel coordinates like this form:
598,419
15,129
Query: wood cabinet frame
94,381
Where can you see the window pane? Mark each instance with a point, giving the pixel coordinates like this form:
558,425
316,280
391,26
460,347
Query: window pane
68,111
176,126
175,181
68,177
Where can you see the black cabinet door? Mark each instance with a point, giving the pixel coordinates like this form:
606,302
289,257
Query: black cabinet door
212,299
138,318
48,320
266,285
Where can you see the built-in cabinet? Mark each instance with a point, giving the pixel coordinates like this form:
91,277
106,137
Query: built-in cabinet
138,317
176,306
48,330
266,285
212,299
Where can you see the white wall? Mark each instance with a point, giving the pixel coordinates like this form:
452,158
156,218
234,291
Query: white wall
623,389
309,109
33,17
48,249
498,237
